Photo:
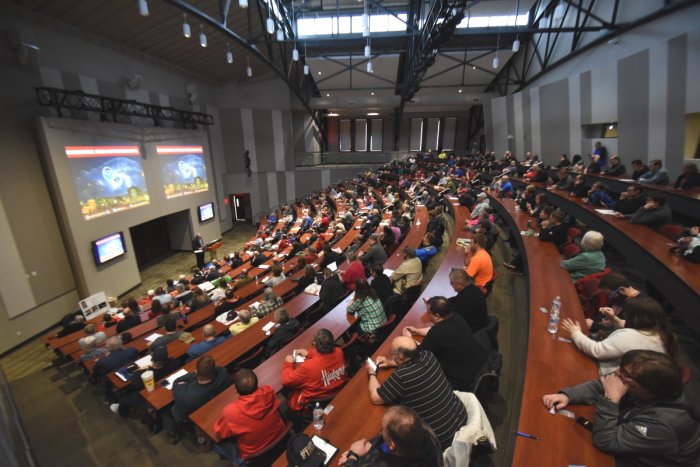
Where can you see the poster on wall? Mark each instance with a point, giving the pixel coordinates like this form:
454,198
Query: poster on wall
184,170
108,179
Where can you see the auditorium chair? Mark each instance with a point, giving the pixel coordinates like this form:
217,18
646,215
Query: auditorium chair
372,340
266,456
570,249
250,362
572,233
589,294
488,287
487,380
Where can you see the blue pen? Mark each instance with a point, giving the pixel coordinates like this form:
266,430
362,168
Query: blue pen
525,435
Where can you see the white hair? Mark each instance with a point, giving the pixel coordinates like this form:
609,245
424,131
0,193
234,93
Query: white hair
592,241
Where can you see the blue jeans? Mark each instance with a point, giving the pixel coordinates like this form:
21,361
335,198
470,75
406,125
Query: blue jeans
227,448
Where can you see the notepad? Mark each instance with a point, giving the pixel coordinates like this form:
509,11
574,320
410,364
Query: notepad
326,447
606,212
171,379
144,362
332,266
268,326
264,266
222,319
153,337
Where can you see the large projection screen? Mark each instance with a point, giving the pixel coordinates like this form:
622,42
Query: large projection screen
108,179
184,171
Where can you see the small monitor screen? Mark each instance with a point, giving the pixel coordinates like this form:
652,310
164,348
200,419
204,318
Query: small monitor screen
206,212
108,248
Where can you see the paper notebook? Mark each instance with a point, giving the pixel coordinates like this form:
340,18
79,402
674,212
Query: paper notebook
326,447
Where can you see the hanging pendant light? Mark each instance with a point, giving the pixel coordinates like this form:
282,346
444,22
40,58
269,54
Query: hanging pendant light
229,54
243,3
368,51
295,54
143,8
280,35
202,36
516,45
370,68
270,25
186,30
248,69
306,69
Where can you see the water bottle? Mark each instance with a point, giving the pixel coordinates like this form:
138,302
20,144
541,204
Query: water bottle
553,325
318,416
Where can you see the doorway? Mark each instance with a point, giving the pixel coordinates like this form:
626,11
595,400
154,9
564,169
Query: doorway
241,210
160,237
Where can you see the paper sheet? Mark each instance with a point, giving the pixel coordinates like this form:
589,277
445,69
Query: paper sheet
171,379
144,362
606,212
326,447
153,337
268,326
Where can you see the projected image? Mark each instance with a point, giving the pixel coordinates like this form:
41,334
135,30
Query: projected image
108,179
184,171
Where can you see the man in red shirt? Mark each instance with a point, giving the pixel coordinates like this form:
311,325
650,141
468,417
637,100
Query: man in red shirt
356,270
321,375
253,419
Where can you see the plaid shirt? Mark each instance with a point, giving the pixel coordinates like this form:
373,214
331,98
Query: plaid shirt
370,312
266,307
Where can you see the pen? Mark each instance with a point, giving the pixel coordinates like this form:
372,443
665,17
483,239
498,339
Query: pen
525,435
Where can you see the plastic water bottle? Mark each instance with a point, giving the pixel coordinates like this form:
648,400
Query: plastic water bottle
318,416
553,325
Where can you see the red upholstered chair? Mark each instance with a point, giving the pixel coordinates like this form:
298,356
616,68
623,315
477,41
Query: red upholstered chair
572,233
588,290
570,250
671,231
685,374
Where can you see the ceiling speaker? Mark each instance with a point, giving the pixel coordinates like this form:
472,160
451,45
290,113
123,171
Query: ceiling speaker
27,54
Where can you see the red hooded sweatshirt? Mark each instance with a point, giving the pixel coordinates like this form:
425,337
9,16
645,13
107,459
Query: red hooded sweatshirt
254,421
318,377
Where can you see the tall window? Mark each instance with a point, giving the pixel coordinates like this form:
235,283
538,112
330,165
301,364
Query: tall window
360,135
345,136
416,136
433,134
375,139
448,134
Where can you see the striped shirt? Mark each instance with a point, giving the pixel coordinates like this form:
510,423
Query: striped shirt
420,384
370,312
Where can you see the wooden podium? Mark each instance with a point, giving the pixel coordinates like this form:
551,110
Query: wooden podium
212,247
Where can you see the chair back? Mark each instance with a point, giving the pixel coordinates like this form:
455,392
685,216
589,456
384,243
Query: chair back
671,231
272,451
570,250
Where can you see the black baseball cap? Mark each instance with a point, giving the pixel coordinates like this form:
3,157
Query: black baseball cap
302,452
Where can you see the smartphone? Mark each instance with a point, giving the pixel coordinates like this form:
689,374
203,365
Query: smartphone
585,423
372,365
165,383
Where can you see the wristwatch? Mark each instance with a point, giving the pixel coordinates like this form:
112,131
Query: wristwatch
352,454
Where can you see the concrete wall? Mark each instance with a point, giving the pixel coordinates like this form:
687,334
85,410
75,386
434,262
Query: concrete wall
646,82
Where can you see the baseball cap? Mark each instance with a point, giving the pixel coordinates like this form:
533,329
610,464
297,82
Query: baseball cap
302,452
159,354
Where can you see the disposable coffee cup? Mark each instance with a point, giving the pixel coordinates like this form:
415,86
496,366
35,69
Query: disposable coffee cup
147,377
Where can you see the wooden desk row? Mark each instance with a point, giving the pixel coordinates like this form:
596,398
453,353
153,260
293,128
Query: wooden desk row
337,321
645,249
551,363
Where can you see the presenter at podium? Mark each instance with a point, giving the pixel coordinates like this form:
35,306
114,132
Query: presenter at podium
198,248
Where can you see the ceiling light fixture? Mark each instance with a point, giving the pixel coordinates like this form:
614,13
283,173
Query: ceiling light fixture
473,67
229,54
516,45
202,36
495,59
249,70
280,35
328,95
368,51
306,69
270,24
143,7
186,30
332,114
370,68
459,91
319,73
371,93
372,114
365,22
243,3
295,51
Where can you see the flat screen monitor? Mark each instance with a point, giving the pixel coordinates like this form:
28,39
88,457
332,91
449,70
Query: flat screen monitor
108,248
205,212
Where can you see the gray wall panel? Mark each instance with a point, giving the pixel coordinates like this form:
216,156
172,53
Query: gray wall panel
307,181
488,124
264,141
675,112
527,124
232,137
554,120
633,105
586,114
510,122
